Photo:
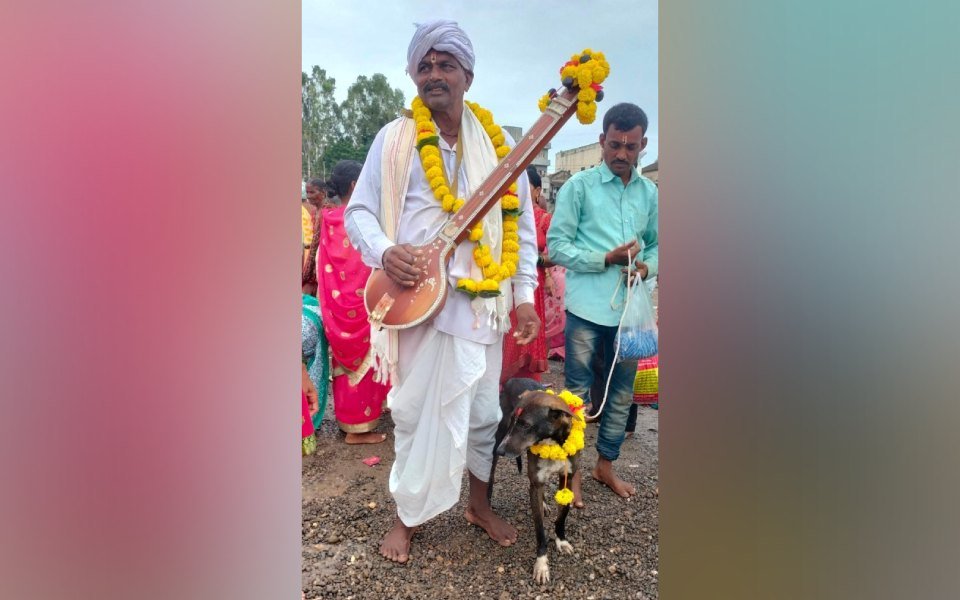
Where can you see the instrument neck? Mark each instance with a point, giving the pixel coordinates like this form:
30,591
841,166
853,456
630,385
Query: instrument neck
560,109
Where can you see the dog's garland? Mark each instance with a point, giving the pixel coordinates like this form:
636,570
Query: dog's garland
573,444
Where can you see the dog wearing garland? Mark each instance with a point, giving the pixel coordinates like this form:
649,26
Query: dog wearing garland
548,428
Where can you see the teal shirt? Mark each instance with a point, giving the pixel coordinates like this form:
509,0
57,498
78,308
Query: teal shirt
594,214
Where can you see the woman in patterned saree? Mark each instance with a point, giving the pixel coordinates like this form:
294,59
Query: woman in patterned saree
341,276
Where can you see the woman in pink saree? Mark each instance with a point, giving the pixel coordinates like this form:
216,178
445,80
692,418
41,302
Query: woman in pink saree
341,275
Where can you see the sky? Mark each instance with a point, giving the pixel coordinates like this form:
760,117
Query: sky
520,47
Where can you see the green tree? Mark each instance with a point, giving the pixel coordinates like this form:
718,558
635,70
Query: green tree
342,149
371,103
320,120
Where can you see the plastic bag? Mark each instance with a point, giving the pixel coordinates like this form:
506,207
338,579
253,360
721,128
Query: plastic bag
637,336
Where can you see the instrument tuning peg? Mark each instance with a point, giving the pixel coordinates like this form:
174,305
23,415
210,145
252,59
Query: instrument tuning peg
599,95
567,82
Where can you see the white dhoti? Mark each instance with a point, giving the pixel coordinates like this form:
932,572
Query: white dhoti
445,406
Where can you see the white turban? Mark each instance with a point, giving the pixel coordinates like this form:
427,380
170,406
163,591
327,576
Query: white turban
444,36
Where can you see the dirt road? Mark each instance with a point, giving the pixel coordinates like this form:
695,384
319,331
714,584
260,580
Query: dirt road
347,508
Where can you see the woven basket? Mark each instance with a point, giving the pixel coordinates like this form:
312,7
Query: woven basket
646,385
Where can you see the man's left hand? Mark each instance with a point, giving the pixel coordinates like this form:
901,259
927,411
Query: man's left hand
641,270
528,324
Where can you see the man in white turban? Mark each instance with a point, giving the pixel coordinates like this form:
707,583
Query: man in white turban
445,374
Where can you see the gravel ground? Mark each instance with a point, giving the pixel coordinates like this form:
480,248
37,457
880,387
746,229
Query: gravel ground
347,508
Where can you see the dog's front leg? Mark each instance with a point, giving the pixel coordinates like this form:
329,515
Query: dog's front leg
541,570
563,546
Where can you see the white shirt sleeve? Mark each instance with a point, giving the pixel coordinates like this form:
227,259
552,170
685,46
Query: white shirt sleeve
362,216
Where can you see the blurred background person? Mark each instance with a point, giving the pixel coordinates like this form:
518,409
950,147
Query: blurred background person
316,190
306,223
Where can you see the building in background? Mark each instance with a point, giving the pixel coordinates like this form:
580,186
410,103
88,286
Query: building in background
540,162
578,159
584,157
568,162
651,171
556,180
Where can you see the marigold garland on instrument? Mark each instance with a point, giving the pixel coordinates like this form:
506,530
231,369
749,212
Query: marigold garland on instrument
587,71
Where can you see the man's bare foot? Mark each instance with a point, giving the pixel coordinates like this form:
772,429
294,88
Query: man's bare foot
396,544
371,437
604,473
499,530
577,492
480,514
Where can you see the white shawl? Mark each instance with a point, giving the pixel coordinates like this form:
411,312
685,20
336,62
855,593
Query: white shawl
479,159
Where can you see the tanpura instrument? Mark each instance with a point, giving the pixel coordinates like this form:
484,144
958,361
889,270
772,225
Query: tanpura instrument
395,306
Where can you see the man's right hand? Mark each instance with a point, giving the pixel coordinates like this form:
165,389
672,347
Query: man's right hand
401,263
618,256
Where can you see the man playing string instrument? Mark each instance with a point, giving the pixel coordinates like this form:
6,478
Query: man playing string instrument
445,373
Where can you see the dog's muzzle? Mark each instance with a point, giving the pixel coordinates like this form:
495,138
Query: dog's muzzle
504,450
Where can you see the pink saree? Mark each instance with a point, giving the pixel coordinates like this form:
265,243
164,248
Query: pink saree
556,317
341,276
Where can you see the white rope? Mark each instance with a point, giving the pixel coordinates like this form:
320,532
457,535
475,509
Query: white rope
631,283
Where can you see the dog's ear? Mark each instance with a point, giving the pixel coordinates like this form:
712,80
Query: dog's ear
524,395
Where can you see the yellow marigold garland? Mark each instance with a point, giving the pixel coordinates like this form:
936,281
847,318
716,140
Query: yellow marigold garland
564,496
587,71
570,446
428,145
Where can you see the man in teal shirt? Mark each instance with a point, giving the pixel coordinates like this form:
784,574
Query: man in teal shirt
605,218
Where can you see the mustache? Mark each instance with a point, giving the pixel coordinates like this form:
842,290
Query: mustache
437,85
